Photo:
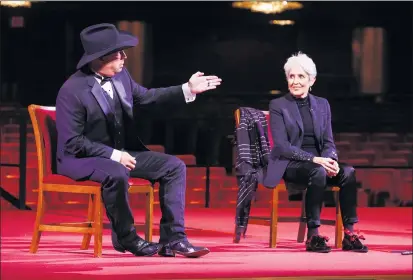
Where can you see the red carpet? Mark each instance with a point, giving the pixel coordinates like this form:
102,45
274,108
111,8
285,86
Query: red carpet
388,231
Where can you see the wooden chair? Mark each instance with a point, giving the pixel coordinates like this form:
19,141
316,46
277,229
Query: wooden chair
273,220
44,127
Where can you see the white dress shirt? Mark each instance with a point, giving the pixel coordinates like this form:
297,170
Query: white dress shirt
189,97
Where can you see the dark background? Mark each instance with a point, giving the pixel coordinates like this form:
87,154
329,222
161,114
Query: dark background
238,45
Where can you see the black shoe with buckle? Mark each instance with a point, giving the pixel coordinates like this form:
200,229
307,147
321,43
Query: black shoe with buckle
138,246
317,244
351,242
184,248
166,251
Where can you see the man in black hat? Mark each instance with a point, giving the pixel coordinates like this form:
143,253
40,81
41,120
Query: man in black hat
97,140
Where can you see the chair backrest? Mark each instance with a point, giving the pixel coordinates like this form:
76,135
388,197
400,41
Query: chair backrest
267,116
44,126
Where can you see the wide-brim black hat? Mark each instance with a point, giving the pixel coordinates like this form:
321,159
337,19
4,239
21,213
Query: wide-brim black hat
102,39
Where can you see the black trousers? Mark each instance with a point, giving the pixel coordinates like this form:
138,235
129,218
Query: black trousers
314,176
168,170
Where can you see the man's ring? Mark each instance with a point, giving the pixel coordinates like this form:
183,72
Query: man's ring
208,83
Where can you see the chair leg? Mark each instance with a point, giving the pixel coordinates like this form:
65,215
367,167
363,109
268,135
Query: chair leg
149,216
39,218
274,219
339,224
98,226
90,219
303,221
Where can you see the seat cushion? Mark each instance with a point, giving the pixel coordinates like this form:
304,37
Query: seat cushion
63,180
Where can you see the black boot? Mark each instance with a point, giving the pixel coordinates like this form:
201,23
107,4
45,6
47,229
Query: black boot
351,242
239,230
317,244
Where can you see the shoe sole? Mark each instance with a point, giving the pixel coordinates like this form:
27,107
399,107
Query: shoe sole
356,250
320,251
196,254
147,255
121,250
167,255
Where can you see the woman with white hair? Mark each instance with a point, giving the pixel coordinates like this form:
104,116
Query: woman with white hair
304,153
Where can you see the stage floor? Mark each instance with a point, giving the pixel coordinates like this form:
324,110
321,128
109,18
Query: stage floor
388,231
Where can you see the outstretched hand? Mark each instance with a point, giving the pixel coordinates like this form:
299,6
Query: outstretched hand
199,83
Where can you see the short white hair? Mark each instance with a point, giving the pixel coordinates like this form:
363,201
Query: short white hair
304,61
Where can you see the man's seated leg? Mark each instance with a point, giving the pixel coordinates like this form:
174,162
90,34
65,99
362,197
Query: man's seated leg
170,172
114,178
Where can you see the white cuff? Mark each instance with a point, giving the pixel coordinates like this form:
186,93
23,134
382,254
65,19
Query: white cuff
189,96
116,155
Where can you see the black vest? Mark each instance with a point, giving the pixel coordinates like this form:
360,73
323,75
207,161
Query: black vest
118,128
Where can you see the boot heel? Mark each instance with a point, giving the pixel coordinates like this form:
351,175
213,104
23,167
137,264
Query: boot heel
115,243
239,230
119,248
